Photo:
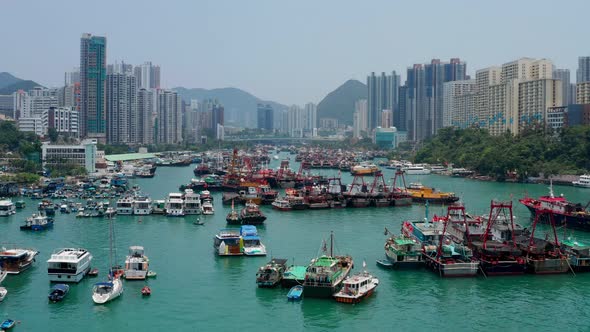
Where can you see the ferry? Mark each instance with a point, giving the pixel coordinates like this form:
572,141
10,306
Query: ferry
69,265
356,288
125,206
324,275
174,205
7,208
583,181
364,169
572,215
37,222
136,264
422,193
252,246
142,205
192,202
15,261
416,170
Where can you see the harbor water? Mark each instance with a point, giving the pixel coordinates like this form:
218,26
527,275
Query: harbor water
196,290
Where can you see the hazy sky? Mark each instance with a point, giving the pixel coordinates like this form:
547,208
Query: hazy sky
288,51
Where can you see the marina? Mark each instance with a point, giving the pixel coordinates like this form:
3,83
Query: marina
358,232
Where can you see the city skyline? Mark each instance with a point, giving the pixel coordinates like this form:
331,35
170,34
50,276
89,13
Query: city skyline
325,46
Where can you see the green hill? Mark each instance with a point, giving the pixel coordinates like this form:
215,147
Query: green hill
20,85
7,79
339,104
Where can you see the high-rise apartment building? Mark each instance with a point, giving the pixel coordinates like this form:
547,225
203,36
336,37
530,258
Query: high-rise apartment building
484,78
63,119
122,117
265,116
451,104
382,93
169,120
146,114
583,72
583,93
147,75
564,76
424,102
386,119
72,77
310,115
93,54
360,119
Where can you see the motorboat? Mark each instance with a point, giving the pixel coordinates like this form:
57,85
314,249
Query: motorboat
7,324
7,208
3,292
357,287
69,265
251,241
58,292
295,293
146,291
16,260
416,170
208,207
136,264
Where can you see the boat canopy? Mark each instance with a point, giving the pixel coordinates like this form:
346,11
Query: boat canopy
251,237
61,287
107,284
248,230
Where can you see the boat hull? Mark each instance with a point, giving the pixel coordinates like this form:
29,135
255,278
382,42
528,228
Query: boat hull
357,299
67,277
324,292
502,268
577,222
453,270
547,266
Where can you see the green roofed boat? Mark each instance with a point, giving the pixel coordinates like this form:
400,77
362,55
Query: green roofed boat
324,275
403,252
295,275
579,254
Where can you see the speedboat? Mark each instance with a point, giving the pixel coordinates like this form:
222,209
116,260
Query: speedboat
58,292
104,292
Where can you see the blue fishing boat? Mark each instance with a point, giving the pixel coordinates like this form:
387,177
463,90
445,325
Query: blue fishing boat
7,324
295,293
58,292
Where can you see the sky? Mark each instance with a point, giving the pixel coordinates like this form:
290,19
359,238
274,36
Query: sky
291,52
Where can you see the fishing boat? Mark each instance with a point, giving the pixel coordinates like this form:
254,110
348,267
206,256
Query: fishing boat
207,207
7,208
69,265
58,292
578,253
271,274
403,252
104,292
251,215
357,287
294,275
295,293
146,291
422,193
20,204
37,222
572,215
3,293
15,261
583,181
7,324
136,264
324,275
252,245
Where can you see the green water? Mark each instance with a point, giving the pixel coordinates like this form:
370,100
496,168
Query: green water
195,289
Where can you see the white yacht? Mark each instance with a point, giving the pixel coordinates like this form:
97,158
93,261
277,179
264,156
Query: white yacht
69,265
207,207
142,205
174,205
416,170
192,202
437,169
136,264
583,181
104,292
16,260
7,208
125,205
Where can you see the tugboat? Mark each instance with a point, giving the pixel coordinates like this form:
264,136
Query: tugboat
37,222
233,217
572,215
357,287
251,215
422,193
324,275
271,274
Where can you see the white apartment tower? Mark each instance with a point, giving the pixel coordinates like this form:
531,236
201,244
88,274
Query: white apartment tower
360,118
451,91
121,108
169,120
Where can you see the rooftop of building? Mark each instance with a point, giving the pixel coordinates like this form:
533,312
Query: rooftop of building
129,156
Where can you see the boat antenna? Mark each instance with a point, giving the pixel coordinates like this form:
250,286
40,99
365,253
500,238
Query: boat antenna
426,213
551,188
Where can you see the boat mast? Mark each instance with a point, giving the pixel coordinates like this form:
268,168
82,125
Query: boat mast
332,244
